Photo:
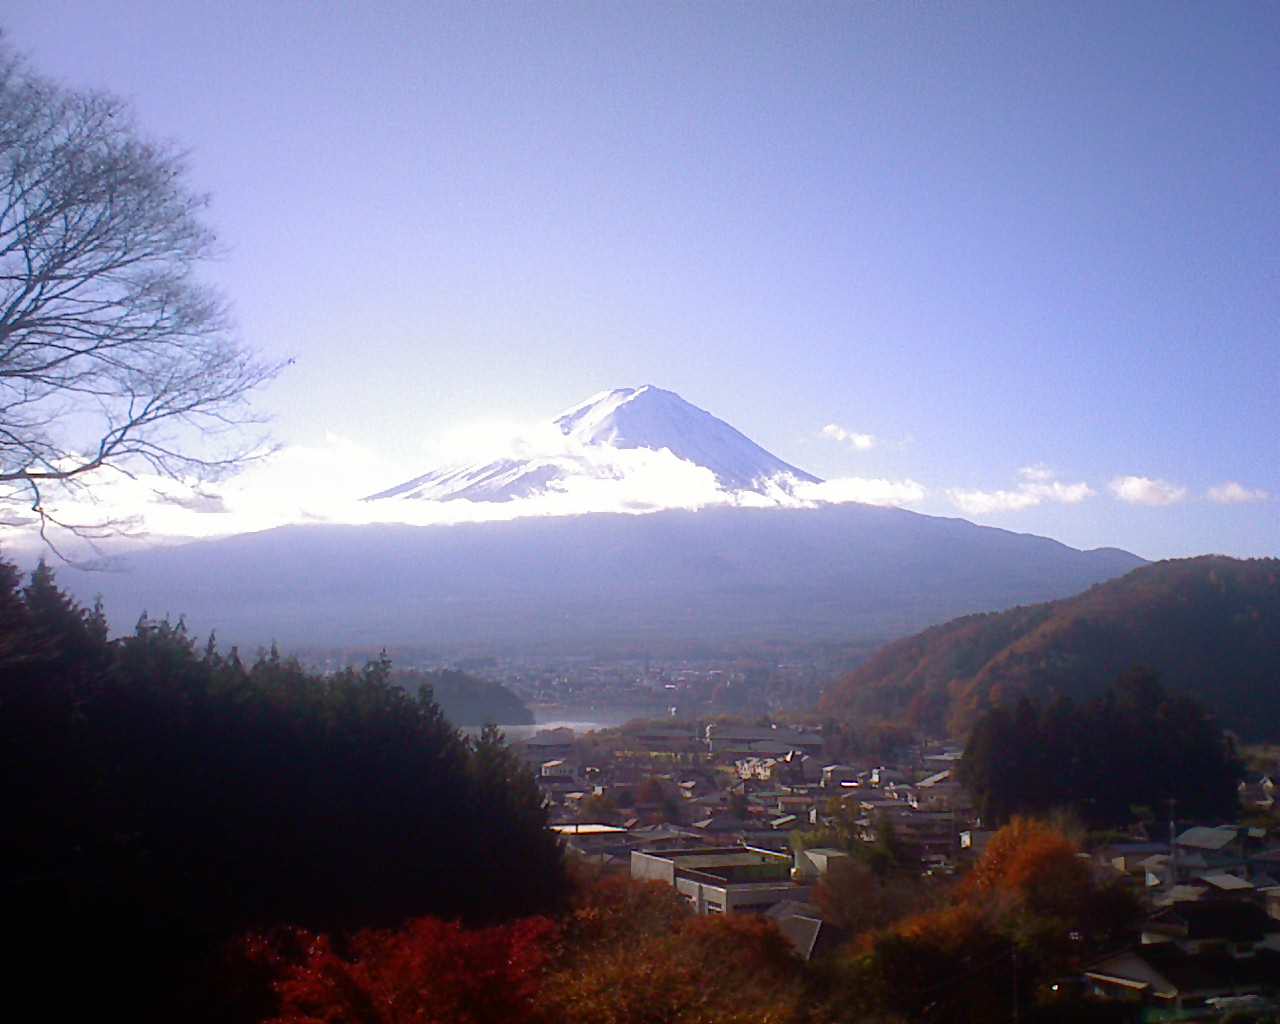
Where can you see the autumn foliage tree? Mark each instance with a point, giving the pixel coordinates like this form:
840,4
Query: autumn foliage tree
615,910
730,969
949,965
628,952
428,972
1033,862
1029,909
852,895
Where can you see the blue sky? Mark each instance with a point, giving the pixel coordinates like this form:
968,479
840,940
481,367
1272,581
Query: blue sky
1021,247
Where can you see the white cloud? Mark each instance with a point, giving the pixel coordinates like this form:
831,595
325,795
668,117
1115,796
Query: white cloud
1143,490
981,503
1037,487
1232,493
325,482
868,490
863,442
298,483
1064,494
1039,473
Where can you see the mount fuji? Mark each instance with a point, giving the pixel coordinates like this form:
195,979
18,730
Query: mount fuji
607,437
546,552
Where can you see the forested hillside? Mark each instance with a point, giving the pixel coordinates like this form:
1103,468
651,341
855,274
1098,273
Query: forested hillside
162,797
467,700
1135,746
1209,626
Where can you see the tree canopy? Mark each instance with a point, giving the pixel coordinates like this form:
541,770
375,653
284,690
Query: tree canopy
162,796
1029,911
1136,745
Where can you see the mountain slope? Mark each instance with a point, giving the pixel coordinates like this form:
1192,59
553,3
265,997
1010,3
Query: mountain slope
591,440
839,573
467,700
649,417
1210,626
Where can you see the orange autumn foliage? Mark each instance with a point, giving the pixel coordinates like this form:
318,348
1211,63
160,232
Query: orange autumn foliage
1034,865
735,969
428,972
617,908
948,930
627,953
1029,908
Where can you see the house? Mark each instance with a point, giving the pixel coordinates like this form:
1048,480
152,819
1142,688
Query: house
1212,924
1224,883
1166,978
924,833
884,775
547,744
835,774
588,833
777,840
721,880
725,824
941,792
762,768
611,845
814,863
723,738
1222,843
796,801
666,738
973,841
557,768
1195,956
1134,858
594,841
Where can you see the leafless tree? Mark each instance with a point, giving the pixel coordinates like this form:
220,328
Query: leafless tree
112,353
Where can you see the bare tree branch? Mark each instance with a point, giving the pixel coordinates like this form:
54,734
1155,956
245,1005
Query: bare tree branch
112,353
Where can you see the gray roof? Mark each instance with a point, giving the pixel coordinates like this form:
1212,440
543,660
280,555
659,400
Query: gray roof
1202,838
809,936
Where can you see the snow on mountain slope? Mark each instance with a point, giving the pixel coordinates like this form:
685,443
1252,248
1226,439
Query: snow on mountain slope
650,417
628,434
632,451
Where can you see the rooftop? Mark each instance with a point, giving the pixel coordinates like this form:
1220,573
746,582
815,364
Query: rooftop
1202,838
585,829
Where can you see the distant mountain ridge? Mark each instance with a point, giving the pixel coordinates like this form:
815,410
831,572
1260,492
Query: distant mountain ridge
1209,625
594,433
600,582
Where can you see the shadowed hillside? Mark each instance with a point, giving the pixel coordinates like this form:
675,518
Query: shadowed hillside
1210,626
466,700
835,573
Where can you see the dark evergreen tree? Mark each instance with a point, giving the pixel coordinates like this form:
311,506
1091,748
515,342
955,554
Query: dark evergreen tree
161,799
1135,745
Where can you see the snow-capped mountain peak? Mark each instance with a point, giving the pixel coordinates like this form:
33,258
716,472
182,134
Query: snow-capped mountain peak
610,437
